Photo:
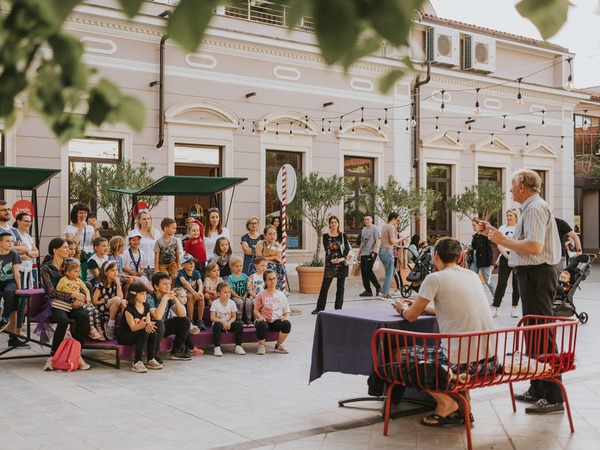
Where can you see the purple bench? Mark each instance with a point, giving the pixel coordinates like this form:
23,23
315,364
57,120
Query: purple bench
204,338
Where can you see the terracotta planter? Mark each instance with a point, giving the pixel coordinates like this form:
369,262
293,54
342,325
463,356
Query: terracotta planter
310,279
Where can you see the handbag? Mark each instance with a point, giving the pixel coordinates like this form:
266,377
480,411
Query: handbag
67,355
350,258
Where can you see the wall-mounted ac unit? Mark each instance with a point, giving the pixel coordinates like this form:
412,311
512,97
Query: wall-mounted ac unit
479,54
443,46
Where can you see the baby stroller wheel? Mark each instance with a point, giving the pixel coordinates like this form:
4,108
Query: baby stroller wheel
405,291
583,317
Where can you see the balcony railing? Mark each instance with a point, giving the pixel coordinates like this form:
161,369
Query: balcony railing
265,12
587,165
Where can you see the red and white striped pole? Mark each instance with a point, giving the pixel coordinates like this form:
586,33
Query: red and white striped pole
283,223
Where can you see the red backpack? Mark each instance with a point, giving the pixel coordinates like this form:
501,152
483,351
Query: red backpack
67,356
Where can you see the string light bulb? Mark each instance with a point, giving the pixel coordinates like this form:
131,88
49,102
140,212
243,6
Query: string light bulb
322,126
543,118
527,142
477,108
362,114
469,121
492,139
443,105
341,117
329,128
406,126
243,126
254,127
277,130
379,124
562,147
458,137
586,125
437,128
569,84
265,126
291,131
519,96
504,122
306,129
413,121
353,126
385,121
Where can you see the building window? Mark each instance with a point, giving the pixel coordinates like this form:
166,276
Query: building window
586,144
542,174
492,175
83,153
197,161
276,159
439,180
358,174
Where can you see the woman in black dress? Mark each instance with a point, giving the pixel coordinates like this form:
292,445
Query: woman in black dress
337,248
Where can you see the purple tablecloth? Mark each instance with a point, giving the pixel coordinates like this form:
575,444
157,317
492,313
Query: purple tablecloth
342,340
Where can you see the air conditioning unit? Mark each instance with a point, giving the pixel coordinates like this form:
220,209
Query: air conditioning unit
479,54
443,46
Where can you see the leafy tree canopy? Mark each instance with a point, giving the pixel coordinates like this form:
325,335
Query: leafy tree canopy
315,196
410,203
481,200
43,64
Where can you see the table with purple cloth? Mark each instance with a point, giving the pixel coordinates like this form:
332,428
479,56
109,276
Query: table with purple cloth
342,339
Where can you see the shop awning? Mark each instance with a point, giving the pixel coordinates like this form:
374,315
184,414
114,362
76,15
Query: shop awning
185,185
24,178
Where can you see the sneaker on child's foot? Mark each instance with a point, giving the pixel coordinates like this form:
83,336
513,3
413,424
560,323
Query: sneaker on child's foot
494,311
179,356
101,332
159,360
109,331
3,324
280,349
194,329
196,351
200,324
262,350
218,351
139,367
514,313
154,365
16,341
83,365
48,366
94,334
239,350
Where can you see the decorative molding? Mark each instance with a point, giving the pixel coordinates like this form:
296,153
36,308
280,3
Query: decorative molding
229,118
110,45
280,73
497,145
445,141
539,149
191,57
361,84
377,134
283,117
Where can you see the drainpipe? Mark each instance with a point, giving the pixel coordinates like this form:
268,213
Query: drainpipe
161,85
416,133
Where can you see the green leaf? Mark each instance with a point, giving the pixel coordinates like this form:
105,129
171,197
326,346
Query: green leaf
132,112
387,82
188,22
56,11
547,15
367,47
392,19
337,28
297,9
131,7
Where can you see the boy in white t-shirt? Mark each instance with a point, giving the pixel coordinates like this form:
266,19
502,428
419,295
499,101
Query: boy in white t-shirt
134,260
99,257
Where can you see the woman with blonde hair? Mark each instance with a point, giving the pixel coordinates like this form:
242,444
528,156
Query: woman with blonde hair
504,270
149,236
249,241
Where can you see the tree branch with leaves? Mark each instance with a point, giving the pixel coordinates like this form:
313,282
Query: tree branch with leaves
123,175
315,196
43,64
410,203
481,201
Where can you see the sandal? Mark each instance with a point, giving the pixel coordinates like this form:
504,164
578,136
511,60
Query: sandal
450,419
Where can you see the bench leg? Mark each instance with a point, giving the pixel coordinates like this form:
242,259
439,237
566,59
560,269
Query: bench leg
512,397
466,407
387,409
566,400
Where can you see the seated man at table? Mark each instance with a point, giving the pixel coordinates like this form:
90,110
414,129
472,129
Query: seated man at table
460,305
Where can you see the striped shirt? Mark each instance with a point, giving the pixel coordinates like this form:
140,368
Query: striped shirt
536,224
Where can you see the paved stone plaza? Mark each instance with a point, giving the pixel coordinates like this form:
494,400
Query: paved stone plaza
251,401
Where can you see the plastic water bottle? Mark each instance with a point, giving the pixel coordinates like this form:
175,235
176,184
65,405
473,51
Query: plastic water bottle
34,275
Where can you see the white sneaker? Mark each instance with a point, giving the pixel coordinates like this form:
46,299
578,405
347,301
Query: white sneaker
514,313
281,349
154,364
262,350
194,329
83,365
239,350
494,311
139,367
48,366
218,351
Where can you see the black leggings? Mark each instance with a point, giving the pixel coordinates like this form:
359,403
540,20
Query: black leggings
504,271
283,326
237,327
61,319
140,338
179,326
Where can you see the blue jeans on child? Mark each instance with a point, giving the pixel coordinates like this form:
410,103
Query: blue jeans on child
486,273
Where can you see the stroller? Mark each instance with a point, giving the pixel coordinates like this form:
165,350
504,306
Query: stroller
423,266
579,267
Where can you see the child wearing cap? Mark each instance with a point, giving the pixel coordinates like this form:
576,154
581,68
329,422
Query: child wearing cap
135,260
190,279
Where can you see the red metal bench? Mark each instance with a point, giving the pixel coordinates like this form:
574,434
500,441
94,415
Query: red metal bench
537,348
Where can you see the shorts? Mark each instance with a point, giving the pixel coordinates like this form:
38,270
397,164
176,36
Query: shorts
171,268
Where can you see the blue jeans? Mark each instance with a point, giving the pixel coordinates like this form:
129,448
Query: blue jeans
486,273
387,259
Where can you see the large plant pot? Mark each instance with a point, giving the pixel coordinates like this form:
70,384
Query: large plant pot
310,279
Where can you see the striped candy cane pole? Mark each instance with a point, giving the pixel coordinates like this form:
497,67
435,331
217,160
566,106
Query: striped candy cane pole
283,222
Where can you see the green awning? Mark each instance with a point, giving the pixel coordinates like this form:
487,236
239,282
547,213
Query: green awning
24,178
185,185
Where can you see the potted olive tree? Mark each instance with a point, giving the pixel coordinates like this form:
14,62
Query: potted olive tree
481,200
315,195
